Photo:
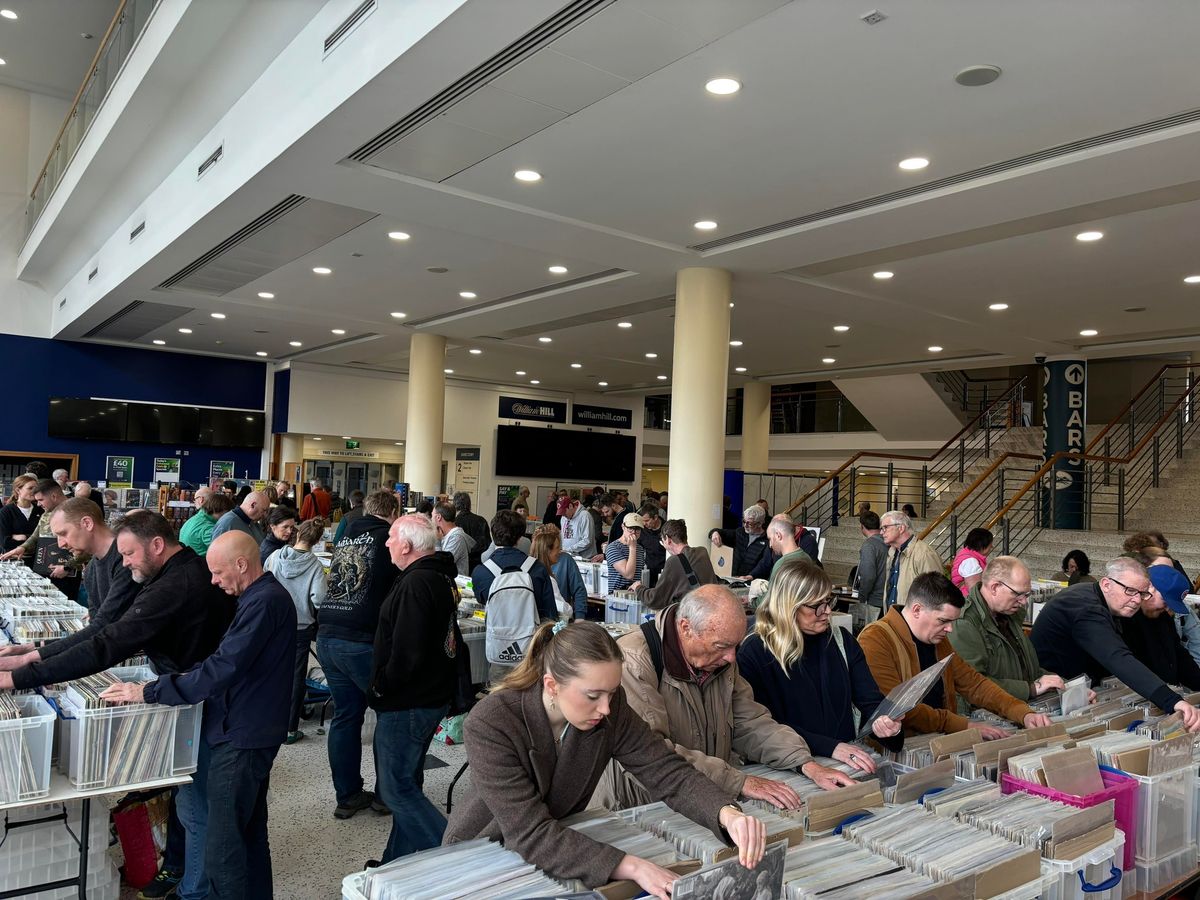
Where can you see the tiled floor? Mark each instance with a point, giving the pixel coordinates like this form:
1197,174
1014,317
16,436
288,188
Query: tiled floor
311,851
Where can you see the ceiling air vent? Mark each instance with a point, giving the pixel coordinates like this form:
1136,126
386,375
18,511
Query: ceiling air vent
92,274
136,231
364,9
212,160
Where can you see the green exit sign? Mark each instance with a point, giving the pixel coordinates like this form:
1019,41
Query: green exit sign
351,445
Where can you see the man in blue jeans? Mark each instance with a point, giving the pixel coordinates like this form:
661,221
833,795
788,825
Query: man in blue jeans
360,577
246,688
413,680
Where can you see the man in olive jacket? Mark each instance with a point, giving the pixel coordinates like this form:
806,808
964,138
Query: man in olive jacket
989,636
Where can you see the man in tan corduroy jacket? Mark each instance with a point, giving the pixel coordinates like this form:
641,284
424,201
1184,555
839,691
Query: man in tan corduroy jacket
909,640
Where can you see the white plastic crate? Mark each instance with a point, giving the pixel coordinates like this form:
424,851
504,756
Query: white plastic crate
474,639
1151,876
621,609
129,744
25,745
1096,875
46,851
1166,822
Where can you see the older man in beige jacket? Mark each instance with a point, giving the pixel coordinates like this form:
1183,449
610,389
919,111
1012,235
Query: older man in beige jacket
703,708
908,557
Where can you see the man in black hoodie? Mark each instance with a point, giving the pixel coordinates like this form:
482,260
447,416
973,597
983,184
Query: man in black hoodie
360,577
413,680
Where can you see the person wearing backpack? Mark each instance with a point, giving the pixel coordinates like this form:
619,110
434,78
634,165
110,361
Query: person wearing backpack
413,678
520,587
686,568
811,677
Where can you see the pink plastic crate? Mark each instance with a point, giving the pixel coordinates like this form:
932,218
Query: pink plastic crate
1119,788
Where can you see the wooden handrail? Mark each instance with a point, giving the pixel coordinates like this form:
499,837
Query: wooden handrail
1116,420
1003,398
91,71
978,482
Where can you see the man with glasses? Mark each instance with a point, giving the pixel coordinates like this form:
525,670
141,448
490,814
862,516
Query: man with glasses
909,640
749,542
1081,631
989,635
908,557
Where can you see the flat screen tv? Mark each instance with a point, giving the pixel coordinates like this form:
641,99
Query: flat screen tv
163,424
81,419
231,428
562,454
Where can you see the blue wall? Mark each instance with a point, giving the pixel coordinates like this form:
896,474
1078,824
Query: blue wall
37,369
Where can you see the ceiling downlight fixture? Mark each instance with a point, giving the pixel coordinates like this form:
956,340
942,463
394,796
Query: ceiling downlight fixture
914,163
723,87
1089,332
998,307
527,175
1089,236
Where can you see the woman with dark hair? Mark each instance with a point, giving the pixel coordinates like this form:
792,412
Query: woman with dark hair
538,745
967,569
19,516
281,531
1076,568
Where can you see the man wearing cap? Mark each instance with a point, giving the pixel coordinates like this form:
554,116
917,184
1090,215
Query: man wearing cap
1151,633
626,556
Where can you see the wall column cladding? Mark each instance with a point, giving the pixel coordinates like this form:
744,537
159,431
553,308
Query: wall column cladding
699,381
756,426
426,413
1064,407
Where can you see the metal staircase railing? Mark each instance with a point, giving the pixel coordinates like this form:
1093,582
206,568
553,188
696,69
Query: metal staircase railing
973,394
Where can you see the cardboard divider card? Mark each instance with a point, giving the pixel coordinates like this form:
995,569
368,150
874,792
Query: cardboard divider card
1073,772
828,810
912,786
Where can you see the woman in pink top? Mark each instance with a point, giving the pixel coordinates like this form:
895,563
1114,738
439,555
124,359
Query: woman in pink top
967,568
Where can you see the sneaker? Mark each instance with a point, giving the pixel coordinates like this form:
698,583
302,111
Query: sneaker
294,736
358,802
379,806
163,886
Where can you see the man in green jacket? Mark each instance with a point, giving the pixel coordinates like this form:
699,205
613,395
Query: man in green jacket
989,636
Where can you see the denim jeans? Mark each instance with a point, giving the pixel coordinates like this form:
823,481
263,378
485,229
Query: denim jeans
402,739
304,638
347,666
191,805
236,853
174,853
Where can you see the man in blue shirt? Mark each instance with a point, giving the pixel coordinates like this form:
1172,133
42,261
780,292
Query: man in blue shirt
508,527
246,686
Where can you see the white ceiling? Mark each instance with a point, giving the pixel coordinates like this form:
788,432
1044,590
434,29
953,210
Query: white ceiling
44,48
829,106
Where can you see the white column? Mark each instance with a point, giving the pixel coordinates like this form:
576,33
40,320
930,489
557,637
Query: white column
426,413
699,382
756,426
291,450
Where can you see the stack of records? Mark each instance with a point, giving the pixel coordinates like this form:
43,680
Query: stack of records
608,828
479,869
118,744
832,868
692,840
17,773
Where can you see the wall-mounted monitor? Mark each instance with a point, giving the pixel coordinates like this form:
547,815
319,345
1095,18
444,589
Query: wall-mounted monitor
77,419
80,418
563,454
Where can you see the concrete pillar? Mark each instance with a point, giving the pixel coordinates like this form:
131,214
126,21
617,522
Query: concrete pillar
699,381
756,426
426,413
291,458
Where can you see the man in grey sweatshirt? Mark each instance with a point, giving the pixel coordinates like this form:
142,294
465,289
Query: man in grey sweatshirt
453,539
872,561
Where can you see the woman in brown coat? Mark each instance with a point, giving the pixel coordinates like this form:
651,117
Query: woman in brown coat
538,745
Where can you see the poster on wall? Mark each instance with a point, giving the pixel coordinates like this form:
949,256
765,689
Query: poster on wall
166,470
533,410
118,471
601,416
466,471
505,495
221,469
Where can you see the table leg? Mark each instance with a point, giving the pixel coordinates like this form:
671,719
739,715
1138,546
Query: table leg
85,813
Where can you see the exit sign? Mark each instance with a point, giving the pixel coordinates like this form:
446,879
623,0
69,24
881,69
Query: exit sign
351,445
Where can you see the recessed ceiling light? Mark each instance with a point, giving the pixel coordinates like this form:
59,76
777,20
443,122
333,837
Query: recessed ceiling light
977,76
998,307
545,340
519,372
318,439
185,331
474,351
705,225
467,295
651,356
1088,332
527,175
841,327
337,330
740,369
347,437
1192,279
399,315
883,275
295,343
448,371
3,63
264,353
534,381
828,359
662,377
723,87
913,163
576,365
624,324
557,270
322,270
398,235
1089,235
266,295
160,343
602,383
731,304
935,349
217,315
399,443
735,343
8,13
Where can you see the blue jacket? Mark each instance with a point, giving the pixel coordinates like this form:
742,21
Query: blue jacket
504,557
246,684
819,713
570,584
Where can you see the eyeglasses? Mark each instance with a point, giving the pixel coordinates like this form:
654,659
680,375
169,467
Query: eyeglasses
819,609
1017,593
888,525
1132,592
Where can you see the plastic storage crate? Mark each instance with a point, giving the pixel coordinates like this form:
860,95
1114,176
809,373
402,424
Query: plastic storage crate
1165,814
25,745
1118,787
1151,876
474,635
1096,874
631,612
137,742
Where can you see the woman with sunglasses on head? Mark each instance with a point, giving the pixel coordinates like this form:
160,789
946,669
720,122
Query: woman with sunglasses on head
812,677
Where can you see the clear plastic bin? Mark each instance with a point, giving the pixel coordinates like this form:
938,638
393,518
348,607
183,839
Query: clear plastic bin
631,612
1151,876
25,745
1096,875
1166,821
119,745
1038,889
